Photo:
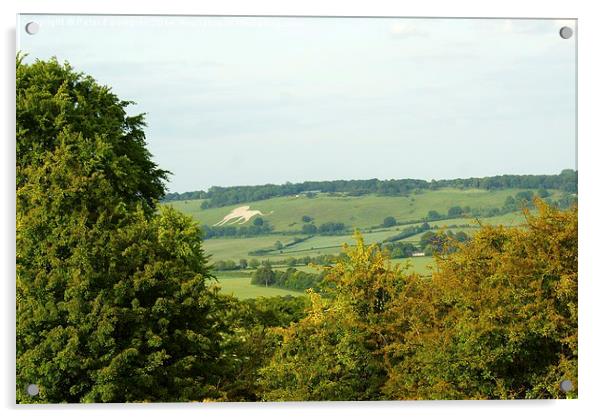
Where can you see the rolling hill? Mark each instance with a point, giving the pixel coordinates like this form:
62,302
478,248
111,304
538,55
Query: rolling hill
356,212
365,213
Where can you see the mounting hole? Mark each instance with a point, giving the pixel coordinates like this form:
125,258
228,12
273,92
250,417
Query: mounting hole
566,386
566,32
32,28
33,389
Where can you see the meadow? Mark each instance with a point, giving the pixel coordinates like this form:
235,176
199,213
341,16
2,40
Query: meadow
363,213
238,284
359,212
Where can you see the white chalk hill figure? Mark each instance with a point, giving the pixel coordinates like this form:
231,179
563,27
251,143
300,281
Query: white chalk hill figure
240,215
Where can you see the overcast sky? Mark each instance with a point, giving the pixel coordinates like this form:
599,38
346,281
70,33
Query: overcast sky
233,101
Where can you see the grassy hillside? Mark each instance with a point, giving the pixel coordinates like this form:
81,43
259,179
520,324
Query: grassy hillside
358,212
365,213
237,248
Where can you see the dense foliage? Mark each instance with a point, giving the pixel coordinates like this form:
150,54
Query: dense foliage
54,102
497,320
252,344
224,196
335,353
106,287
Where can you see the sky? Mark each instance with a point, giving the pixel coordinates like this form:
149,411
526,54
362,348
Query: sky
246,101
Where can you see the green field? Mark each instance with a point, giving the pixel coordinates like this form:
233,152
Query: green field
242,288
237,248
419,265
358,212
364,213
238,283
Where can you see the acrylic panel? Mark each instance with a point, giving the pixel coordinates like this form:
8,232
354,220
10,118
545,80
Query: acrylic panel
223,208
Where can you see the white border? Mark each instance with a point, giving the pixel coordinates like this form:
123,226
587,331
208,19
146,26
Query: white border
590,93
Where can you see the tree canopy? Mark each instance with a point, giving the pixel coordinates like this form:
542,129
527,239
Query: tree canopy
497,320
113,301
53,102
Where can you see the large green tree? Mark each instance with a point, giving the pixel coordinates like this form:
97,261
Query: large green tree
113,301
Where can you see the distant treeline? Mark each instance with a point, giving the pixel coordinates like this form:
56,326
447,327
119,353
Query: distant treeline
279,246
408,232
234,231
288,279
231,231
254,263
223,196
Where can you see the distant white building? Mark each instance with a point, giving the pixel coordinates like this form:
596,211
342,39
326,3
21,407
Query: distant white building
417,254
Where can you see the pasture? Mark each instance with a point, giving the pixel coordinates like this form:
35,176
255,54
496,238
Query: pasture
238,284
238,248
363,213
357,212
